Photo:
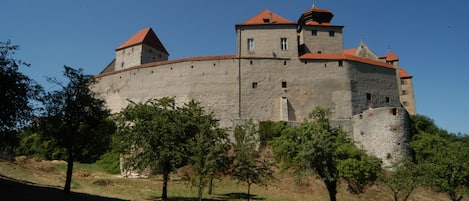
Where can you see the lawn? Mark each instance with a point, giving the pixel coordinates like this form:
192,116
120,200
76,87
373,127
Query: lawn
31,179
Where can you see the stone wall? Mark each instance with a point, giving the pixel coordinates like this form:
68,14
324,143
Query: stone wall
383,132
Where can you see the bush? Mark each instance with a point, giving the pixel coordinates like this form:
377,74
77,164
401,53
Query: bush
110,162
269,130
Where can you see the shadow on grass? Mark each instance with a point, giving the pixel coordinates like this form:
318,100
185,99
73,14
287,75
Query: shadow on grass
14,190
223,197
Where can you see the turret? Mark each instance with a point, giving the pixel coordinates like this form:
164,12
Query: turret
143,47
316,33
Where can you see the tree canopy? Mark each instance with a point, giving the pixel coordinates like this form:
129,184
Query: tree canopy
16,92
76,119
317,147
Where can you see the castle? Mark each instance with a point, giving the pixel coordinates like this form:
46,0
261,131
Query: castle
281,71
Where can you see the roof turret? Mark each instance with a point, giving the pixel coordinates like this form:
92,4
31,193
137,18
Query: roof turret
144,36
316,16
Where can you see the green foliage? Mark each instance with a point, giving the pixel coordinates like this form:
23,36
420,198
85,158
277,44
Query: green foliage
209,146
16,91
402,179
76,120
356,167
248,166
268,130
109,161
444,162
159,135
37,145
317,147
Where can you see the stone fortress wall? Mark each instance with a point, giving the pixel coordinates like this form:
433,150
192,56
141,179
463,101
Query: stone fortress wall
269,83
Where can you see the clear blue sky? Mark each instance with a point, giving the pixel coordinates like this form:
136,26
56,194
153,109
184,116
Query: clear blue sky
430,37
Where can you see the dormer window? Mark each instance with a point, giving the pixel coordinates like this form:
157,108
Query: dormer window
266,20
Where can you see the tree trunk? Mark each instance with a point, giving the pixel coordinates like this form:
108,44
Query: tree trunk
201,188
210,186
249,192
164,194
68,180
332,189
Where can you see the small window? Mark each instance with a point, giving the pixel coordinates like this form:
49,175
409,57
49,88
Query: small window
405,92
387,100
283,44
284,84
331,33
368,96
250,44
250,62
254,85
405,103
403,82
284,63
341,63
266,20
314,32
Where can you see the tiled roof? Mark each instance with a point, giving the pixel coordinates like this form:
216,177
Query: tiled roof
391,56
267,17
316,16
146,36
403,74
350,51
311,56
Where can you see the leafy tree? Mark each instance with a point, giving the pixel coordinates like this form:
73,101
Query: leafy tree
76,120
16,92
402,179
157,134
248,166
444,163
268,130
317,147
209,146
357,167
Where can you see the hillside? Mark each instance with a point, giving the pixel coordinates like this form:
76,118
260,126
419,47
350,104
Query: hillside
30,179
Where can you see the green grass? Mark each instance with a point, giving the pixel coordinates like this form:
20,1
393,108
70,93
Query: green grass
92,179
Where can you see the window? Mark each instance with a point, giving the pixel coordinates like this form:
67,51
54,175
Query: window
284,84
250,44
368,96
314,32
283,44
331,33
254,85
405,92
403,82
387,100
341,63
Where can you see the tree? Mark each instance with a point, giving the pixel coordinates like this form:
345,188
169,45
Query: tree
444,162
402,179
248,166
209,146
317,147
76,119
157,134
356,167
16,92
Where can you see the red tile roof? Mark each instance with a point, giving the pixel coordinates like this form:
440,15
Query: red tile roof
391,56
311,56
403,74
267,17
316,16
350,51
146,36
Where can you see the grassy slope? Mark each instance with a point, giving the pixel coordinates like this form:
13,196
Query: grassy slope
52,174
